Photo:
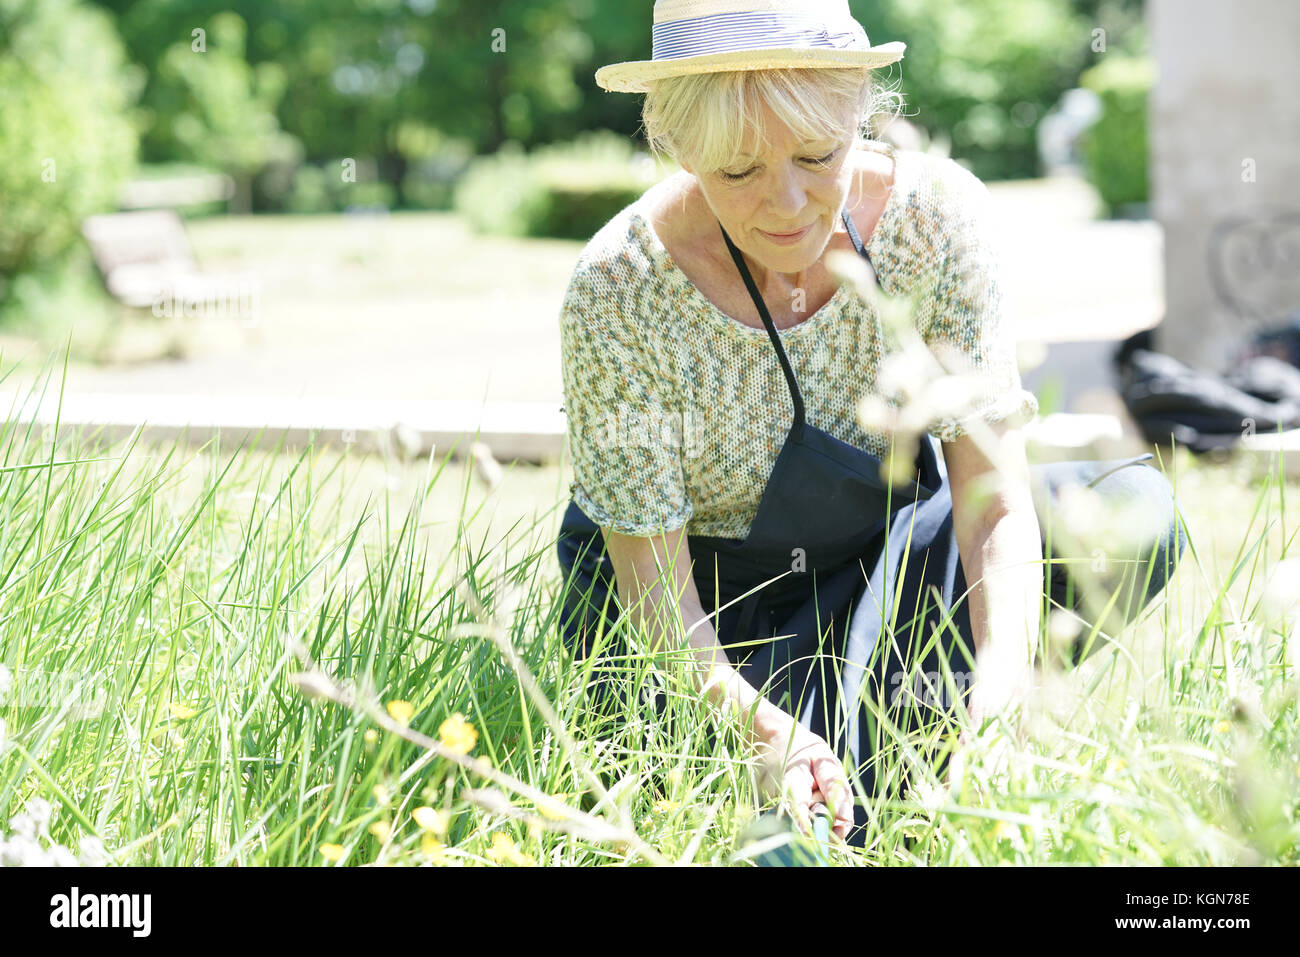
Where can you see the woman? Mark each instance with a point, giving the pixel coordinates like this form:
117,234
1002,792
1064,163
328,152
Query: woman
713,366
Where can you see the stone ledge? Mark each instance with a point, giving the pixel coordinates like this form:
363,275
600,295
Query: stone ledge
525,431
528,431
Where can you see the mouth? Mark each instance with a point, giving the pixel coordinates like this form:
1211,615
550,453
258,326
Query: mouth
787,237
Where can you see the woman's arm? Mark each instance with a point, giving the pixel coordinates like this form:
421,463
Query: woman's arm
792,758
1000,545
645,568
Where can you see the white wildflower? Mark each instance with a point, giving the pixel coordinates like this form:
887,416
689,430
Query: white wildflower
1063,626
930,796
1103,794
60,856
21,851
903,375
24,826
954,396
92,851
876,415
1249,701
40,812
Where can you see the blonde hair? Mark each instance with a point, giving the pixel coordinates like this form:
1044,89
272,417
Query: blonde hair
702,119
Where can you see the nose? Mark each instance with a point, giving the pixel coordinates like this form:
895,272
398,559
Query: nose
789,197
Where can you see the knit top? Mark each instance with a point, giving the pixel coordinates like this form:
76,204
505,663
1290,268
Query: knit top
676,411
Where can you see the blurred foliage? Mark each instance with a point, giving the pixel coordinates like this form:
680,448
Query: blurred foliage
62,303
324,189
1115,147
567,190
420,87
981,73
66,142
388,80
215,108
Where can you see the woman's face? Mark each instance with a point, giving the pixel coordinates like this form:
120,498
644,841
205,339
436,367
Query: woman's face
781,186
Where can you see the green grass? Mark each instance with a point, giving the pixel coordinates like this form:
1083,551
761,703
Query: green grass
179,581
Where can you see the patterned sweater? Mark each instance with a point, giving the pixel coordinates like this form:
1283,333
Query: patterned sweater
676,411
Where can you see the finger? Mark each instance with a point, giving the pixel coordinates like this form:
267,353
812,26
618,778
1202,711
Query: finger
799,786
834,786
841,818
840,808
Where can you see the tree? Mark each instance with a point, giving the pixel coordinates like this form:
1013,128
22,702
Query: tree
67,142
222,110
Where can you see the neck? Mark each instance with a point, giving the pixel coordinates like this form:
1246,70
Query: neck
778,282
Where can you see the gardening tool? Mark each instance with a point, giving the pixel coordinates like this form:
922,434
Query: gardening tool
774,841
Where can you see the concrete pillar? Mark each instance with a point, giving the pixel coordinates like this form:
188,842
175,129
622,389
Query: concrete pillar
1225,142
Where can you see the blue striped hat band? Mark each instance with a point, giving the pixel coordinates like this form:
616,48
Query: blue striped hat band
763,30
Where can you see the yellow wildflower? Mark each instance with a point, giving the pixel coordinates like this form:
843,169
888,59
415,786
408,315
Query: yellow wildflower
181,712
400,711
457,734
504,850
370,737
331,852
381,794
1115,764
433,849
665,806
381,830
547,813
1222,726
431,820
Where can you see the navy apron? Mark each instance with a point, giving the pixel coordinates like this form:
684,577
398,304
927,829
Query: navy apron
837,637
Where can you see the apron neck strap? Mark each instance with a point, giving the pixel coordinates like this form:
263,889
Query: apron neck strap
796,396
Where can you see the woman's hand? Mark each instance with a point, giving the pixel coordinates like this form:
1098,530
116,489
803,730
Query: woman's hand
1004,683
1002,697
800,765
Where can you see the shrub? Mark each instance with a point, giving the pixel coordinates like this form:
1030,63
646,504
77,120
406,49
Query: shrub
66,141
370,195
501,194
430,182
311,191
565,190
321,189
1115,147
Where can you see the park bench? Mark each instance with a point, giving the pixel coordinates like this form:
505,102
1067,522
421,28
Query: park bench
147,262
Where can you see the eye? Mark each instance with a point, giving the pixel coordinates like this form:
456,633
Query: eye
738,177
735,177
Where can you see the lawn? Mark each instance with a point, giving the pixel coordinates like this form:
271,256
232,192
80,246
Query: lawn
256,656
410,305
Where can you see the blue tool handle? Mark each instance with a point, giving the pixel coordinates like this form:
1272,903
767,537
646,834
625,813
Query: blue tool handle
821,821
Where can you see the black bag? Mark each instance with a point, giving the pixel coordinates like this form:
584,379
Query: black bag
1201,410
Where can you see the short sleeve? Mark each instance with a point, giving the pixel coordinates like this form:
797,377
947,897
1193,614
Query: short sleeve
960,316
623,420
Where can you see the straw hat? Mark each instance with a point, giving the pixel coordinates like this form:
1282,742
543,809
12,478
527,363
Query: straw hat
714,36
